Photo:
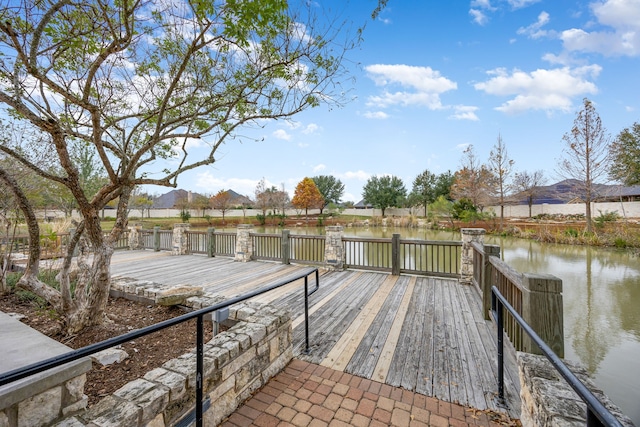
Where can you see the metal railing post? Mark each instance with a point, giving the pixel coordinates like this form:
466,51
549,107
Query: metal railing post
199,369
500,321
306,315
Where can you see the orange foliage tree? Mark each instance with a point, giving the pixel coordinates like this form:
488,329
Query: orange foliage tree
307,196
221,202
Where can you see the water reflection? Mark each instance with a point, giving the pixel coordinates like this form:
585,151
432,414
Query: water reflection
601,290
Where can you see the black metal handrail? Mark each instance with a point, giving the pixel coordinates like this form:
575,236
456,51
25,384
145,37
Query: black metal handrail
597,413
35,368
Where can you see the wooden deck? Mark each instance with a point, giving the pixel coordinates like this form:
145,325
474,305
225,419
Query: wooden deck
423,334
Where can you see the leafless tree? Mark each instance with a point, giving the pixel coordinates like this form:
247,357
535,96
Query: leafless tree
586,154
528,184
501,166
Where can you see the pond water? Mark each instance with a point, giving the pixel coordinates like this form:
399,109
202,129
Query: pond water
601,290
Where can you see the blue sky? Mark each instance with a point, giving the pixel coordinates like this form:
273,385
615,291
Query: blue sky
432,77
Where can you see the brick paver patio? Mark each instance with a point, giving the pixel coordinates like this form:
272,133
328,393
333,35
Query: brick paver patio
305,394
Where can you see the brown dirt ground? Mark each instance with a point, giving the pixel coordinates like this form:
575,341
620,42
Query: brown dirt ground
145,353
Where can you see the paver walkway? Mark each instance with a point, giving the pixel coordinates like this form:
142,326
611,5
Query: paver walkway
306,394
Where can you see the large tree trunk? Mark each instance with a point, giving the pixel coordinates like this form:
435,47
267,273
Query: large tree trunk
92,288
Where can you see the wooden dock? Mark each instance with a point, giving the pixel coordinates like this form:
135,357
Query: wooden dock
421,333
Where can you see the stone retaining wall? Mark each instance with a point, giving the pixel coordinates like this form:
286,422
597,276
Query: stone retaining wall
237,362
549,401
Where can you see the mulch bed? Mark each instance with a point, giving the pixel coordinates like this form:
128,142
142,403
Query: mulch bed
145,353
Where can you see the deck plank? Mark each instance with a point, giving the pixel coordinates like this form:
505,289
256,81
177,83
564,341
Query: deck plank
424,334
426,372
383,365
366,356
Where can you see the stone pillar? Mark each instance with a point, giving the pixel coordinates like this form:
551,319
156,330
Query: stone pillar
333,248
466,259
179,242
244,243
135,237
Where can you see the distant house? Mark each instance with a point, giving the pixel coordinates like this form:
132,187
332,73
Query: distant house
571,191
239,200
173,197
362,205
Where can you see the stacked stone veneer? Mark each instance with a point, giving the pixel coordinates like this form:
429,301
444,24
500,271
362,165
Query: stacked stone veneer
237,362
333,248
466,262
549,401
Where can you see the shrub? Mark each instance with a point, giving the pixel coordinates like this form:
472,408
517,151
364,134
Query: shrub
605,217
185,215
464,210
620,242
571,232
262,219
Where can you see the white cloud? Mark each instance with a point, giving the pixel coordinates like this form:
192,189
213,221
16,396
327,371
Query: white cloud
206,183
358,175
319,168
462,147
311,128
281,134
483,4
535,30
541,89
423,83
379,115
622,38
629,109
479,17
519,4
464,112
303,144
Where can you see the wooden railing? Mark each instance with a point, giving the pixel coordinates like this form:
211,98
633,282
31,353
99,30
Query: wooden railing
433,257
304,249
267,246
367,253
51,245
537,298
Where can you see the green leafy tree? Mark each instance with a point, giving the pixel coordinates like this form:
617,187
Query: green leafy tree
443,185
307,196
201,203
424,189
141,201
135,82
384,192
427,187
331,189
586,154
625,156
442,208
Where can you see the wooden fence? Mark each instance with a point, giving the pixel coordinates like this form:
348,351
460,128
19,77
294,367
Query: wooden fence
536,297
